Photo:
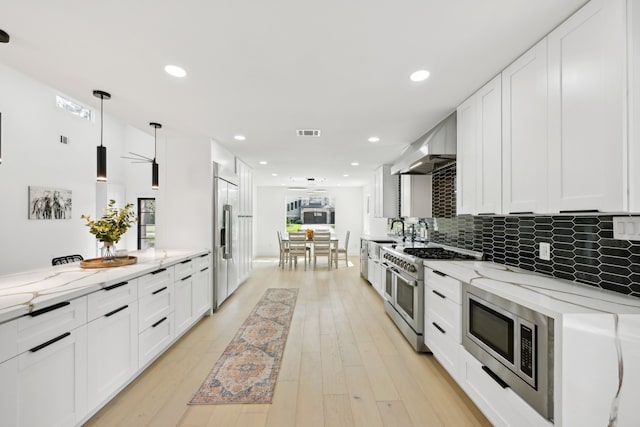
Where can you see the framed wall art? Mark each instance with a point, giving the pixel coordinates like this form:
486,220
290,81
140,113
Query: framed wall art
49,203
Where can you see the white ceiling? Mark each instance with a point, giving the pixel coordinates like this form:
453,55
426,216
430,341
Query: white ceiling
266,68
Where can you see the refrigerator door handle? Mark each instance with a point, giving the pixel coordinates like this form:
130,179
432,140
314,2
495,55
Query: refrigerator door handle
230,228
226,232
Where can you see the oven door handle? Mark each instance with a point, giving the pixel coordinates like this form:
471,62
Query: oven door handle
413,283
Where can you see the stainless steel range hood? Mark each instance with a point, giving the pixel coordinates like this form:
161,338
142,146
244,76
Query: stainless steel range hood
436,147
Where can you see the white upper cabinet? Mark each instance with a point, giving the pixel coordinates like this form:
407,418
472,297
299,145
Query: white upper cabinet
385,195
465,181
480,152
524,132
489,148
587,110
415,193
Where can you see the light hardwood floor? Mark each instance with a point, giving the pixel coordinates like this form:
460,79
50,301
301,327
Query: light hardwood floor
345,364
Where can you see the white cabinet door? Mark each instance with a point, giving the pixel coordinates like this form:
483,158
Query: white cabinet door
489,148
46,385
466,157
415,193
385,193
201,291
524,132
112,352
587,110
183,310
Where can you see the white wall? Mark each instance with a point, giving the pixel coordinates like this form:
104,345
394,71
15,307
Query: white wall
32,155
270,208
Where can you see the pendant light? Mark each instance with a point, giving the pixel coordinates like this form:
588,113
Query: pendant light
155,178
102,150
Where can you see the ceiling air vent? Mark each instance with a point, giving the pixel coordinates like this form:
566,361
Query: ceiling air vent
308,132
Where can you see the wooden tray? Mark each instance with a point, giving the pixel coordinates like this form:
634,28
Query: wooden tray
99,263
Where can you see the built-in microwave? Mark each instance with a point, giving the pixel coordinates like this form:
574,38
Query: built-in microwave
513,342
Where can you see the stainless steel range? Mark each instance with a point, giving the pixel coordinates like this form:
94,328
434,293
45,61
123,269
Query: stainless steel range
404,285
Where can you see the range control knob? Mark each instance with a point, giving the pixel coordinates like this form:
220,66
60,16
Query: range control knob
412,268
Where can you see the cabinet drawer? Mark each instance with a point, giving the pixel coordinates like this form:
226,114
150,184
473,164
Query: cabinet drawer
201,262
446,350
153,281
9,340
111,298
183,269
45,324
445,285
444,312
154,306
155,338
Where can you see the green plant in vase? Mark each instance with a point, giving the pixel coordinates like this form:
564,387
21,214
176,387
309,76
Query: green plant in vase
113,224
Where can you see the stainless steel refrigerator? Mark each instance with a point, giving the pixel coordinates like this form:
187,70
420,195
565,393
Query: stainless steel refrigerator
225,234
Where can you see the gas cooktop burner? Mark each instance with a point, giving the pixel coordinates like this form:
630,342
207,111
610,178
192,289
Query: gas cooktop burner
436,253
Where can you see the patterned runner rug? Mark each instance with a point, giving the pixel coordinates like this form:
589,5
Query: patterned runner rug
248,368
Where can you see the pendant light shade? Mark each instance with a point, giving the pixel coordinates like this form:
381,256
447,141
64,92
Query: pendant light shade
102,150
155,170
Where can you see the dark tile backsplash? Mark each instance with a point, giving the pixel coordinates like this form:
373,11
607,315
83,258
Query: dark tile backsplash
444,192
582,247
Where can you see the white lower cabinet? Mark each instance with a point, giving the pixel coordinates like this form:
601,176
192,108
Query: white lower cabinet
376,275
183,312
201,295
46,385
154,339
500,405
112,352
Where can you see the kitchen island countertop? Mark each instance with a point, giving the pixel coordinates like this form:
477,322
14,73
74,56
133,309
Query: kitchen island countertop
21,293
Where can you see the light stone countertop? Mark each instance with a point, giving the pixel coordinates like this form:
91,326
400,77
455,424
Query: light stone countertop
548,295
21,293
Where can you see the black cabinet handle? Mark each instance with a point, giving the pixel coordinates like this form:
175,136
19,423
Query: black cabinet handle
581,211
439,273
439,294
117,285
158,322
521,213
495,377
185,278
48,343
158,291
159,271
117,310
204,269
185,262
202,256
438,327
48,309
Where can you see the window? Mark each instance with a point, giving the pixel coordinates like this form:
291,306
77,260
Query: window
74,108
310,212
146,223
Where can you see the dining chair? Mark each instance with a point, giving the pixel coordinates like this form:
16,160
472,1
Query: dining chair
284,250
297,247
321,247
66,259
337,251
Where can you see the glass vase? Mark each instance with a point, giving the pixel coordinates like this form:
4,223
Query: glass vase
108,251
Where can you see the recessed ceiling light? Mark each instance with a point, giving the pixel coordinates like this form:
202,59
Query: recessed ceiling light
419,76
374,139
175,71
239,137
355,164
262,162
274,174
346,175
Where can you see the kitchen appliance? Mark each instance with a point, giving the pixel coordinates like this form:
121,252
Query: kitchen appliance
225,234
513,342
433,149
404,285
364,258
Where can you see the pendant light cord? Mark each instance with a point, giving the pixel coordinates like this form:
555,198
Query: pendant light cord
101,118
155,142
